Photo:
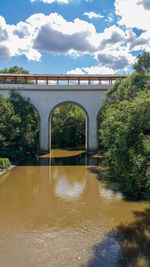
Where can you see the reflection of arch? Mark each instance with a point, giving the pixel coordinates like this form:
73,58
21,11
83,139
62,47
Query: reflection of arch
86,120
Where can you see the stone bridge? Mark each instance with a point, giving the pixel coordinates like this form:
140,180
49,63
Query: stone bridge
46,92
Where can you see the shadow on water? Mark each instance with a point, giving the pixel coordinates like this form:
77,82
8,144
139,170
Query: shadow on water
127,246
107,253
135,240
81,159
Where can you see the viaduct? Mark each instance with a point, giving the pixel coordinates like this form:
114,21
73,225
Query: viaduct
46,92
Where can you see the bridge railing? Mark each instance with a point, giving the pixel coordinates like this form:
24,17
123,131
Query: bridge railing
62,79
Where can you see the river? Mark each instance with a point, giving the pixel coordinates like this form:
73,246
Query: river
56,212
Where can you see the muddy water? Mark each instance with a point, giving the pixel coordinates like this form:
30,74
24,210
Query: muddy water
55,212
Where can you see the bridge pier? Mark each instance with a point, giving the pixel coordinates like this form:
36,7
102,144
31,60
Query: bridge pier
92,144
44,134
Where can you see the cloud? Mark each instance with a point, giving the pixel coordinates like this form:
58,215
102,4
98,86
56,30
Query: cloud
109,62
3,34
145,3
140,43
137,16
92,15
112,35
97,69
3,31
133,13
114,62
53,34
22,30
52,1
4,52
76,71
51,40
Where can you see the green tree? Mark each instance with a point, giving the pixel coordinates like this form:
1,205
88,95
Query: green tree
14,69
9,122
68,126
143,62
28,138
125,132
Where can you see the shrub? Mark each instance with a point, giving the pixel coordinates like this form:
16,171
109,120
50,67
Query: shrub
4,163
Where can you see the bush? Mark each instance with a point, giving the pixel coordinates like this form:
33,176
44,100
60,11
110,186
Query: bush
4,163
19,127
68,126
125,131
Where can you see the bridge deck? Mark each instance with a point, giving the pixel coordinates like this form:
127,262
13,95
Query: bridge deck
61,79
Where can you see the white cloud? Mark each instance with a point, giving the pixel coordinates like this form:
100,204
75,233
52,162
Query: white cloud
54,34
96,69
145,3
76,71
52,1
92,15
112,36
109,62
133,13
110,18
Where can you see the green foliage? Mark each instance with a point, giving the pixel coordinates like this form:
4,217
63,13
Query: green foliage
4,163
29,123
14,69
19,127
68,126
125,133
143,62
9,122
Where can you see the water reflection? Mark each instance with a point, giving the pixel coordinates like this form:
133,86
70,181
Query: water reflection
68,184
54,215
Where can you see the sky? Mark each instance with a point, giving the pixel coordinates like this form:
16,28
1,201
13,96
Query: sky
73,36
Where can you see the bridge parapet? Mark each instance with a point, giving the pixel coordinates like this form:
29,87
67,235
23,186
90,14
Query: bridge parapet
61,79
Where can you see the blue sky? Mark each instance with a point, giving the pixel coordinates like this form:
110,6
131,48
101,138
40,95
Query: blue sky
73,36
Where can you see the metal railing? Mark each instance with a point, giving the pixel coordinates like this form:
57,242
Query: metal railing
61,79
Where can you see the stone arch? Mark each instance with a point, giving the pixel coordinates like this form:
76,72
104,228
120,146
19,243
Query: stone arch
86,120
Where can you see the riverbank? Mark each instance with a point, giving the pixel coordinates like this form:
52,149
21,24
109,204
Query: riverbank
11,166
2,171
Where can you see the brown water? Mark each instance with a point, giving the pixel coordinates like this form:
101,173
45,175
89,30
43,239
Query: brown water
57,213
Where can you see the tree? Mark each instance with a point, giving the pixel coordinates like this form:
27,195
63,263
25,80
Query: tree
15,69
125,131
68,126
29,123
9,122
143,62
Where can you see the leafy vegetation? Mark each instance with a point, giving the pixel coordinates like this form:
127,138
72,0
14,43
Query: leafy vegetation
19,126
68,126
4,163
125,130
14,69
19,123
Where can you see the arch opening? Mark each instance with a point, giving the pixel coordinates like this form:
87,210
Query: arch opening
68,126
